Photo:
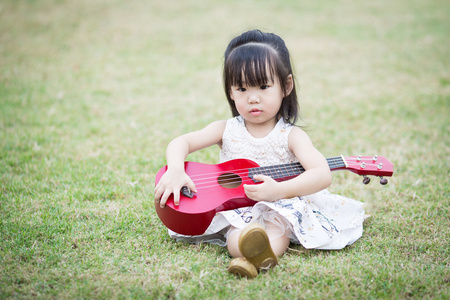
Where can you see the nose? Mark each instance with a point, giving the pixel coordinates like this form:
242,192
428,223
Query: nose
253,98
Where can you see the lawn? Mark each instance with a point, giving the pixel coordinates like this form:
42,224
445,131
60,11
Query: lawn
91,92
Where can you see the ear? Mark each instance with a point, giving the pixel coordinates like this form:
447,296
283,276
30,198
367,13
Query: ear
231,95
289,83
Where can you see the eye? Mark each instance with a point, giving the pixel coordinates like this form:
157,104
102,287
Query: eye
263,87
241,89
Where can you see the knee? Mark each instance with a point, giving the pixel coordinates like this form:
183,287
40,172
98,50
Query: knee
278,237
280,245
233,243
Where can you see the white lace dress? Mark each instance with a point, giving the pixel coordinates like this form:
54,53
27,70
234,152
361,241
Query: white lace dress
319,221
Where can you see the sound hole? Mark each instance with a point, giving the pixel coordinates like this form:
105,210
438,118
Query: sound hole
229,180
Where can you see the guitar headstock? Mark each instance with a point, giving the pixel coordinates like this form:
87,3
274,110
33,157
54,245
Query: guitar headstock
369,165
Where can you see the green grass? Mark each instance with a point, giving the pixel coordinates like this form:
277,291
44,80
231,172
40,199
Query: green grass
91,92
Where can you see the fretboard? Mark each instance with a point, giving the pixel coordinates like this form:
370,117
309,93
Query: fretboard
285,171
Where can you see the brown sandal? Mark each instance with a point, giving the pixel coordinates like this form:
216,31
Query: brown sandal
242,267
254,245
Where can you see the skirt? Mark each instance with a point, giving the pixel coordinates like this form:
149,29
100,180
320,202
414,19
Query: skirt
320,221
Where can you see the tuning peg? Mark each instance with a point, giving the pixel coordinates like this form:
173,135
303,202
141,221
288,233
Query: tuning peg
366,180
383,181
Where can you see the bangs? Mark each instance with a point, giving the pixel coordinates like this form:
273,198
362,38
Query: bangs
251,65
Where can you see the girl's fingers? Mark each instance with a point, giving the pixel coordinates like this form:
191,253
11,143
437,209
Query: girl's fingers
176,197
258,177
163,200
190,184
250,190
158,194
163,192
261,177
260,192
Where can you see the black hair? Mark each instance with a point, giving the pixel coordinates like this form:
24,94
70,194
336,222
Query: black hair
246,60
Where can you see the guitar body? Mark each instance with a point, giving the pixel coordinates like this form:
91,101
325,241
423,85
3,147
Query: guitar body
220,187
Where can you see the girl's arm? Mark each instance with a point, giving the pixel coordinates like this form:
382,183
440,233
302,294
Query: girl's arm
178,149
316,177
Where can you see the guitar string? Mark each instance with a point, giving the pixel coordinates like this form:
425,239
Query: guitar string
294,167
213,180
339,164
232,173
201,179
243,171
291,165
200,183
214,183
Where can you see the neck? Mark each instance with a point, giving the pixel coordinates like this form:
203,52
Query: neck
287,171
260,130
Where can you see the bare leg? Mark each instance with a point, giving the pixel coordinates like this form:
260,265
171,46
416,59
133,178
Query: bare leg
279,244
232,242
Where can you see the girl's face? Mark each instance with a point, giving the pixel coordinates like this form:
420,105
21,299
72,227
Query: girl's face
259,105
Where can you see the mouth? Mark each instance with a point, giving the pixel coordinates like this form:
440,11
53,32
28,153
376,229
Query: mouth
255,112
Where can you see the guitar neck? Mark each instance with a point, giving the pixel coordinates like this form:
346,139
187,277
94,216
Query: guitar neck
286,171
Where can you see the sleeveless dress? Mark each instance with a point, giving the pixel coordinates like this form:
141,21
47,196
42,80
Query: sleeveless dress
318,221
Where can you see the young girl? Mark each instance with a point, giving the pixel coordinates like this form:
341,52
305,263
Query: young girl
260,88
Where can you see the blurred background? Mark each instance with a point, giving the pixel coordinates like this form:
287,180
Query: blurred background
91,92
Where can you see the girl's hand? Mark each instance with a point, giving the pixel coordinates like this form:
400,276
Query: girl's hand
171,183
268,190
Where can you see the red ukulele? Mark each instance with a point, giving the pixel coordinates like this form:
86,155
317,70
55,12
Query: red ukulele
220,187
